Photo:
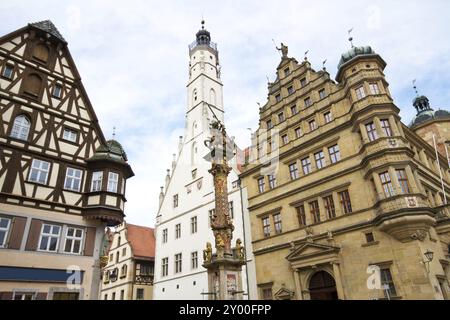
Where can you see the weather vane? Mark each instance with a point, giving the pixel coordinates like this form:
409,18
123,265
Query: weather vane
350,37
415,87
306,55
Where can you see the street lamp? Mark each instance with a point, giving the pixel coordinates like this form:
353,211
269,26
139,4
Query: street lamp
429,257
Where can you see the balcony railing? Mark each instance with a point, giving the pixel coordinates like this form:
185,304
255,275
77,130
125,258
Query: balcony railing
211,44
144,279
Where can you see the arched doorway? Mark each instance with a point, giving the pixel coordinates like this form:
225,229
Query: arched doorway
322,286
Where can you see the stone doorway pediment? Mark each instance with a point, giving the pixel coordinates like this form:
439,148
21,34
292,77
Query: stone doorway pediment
313,252
284,294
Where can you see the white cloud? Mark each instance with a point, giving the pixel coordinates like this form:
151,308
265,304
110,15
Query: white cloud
133,60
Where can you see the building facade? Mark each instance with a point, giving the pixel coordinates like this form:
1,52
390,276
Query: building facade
187,200
345,201
61,182
128,274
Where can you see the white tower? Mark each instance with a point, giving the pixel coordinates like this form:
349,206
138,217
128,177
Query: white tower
186,202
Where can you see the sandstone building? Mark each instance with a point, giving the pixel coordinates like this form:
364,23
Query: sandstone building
341,190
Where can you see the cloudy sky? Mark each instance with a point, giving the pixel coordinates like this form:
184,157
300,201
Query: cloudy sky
133,59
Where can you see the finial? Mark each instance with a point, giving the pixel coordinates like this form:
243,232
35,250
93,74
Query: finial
323,65
350,37
306,55
415,87
203,23
114,133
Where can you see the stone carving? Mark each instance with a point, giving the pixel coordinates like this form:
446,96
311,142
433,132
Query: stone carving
419,235
239,249
207,253
283,49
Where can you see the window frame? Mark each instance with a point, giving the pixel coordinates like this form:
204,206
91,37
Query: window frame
386,184
330,209
70,133
178,262
307,102
95,182
284,139
319,158
261,184
272,181
294,110
165,267
6,67
281,117
298,132
112,182
312,125
193,224
6,231
178,231
322,94
277,223
57,96
165,235
314,210
18,129
194,260
374,88
345,201
293,171
386,127
402,178
301,215
40,171
175,200
49,235
360,92
335,153
266,226
328,117
306,163
371,130
73,178
74,238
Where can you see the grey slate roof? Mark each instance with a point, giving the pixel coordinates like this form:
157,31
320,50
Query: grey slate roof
48,27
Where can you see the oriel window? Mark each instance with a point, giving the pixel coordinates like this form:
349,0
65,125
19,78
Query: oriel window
402,180
385,125
371,131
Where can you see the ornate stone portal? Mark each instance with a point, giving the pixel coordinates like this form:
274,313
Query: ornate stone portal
225,265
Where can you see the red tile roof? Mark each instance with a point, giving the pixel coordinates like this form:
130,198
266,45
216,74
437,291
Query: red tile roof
142,240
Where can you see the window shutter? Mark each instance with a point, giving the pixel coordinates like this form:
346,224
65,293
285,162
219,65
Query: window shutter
17,231
33,84
41,52
89,242
33,235
41,296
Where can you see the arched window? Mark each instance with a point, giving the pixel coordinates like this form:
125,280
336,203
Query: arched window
33,84
194,97
193,153
123,272
212,97
21,128
41,52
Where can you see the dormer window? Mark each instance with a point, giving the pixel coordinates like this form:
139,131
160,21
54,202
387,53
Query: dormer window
97,178
57,91
113,179
8,71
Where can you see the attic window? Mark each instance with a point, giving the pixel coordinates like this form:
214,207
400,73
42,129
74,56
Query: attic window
41,52
8,71
287,72
57,91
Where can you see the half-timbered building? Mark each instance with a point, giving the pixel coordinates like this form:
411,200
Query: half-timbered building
61,181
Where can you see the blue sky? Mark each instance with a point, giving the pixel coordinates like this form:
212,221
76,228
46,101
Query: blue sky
133,60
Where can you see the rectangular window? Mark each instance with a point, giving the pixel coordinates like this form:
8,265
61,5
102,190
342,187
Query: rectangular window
267,293
178,260
306,165
284,139
298,132
360,93
294,110
231,209
303,82
293,171
320,159
49,238
287,72
211,215
4,230
266,226
322,93
327,117
165,235
290,90
73,179
269,124
329,206
335,154
387,283
278,98
346,204
8,71
261,184
122,294
194,225
272,181
57,91
315,212
369,237
374,88
74,239
165,267
113,179
139,294
281,117
97,178
177,231
387,184
402,180
70,135
194,260
312,125
371,131
308,102
301,215
39,171
175,200
385,125
277,223
113,296
124,252
24,295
